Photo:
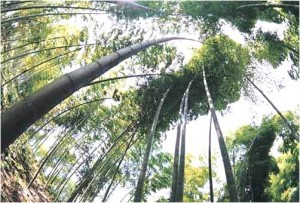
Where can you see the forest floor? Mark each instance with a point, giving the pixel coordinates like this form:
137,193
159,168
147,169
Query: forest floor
17,169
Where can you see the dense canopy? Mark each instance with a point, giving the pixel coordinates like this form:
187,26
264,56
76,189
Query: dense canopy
91,92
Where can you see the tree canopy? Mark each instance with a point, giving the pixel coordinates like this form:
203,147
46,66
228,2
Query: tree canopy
90,76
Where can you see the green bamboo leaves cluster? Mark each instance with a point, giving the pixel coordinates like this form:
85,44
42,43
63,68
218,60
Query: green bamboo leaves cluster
249,148
225,62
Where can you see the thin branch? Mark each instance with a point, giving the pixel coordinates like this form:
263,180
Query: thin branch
295,134
47,49
267,5
40,15
121,77
48,6
43,62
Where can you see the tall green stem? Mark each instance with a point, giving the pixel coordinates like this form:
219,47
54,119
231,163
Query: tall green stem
226,161
140,184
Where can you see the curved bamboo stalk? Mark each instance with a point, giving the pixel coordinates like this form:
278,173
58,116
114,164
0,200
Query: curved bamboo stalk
140,184
47,49
47,7
55,175
75,144
39,103
127,195
65,111
53,150
67,176
226,161
115,186
211,190
121,77
17,19
31,42
107,161
39,142
67,142
295,134
103,171
85,157
15,2
56,168
85,180
268,5
136,5
180,185
176,153
43,62
116,171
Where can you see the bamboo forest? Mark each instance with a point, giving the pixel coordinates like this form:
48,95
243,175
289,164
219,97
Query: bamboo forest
150,101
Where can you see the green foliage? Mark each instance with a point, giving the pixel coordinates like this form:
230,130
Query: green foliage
250,147
285,184
162,170
225,62
159,171
210,13
157,57
224,81
195,179
270,48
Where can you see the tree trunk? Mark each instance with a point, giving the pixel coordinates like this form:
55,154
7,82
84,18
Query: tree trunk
39,103
296,136
180,186
211,190
176,153
140,184
226,161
